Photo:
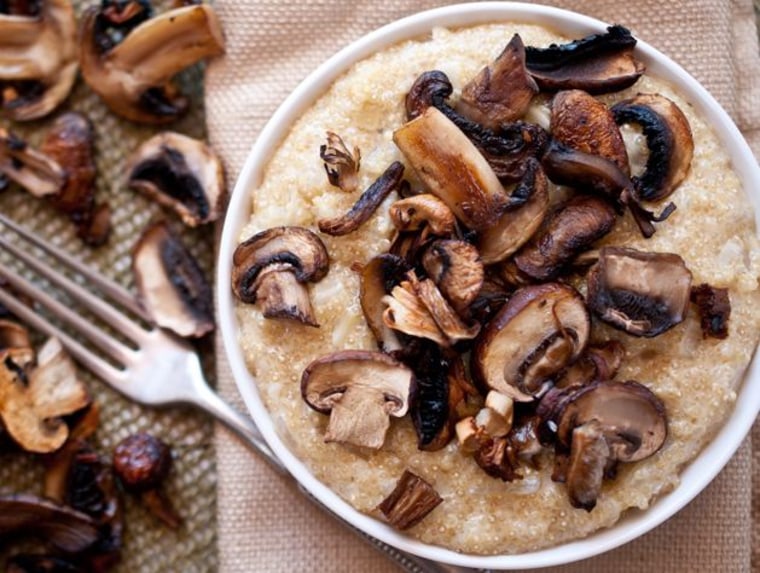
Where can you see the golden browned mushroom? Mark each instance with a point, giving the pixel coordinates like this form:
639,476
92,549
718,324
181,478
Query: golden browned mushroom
31,169
456,269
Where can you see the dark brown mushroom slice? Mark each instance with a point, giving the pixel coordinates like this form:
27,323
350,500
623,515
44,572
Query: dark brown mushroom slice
181,173
502,91
378,277
69,530
643,294
410,501
599,63
598,362
571,229
669,140
367,204
96,229
171,285
272,268
30,563
498,458
431,88
31,169
714,307
456,269
424,212
341,165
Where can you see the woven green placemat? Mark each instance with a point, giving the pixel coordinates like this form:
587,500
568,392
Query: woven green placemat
148,545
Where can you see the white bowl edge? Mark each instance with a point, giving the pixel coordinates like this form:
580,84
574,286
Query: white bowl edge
695,477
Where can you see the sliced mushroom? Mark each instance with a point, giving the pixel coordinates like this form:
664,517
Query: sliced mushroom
452,168
134,77
378,277
599,63
181,173
360,390
456,269
38,58
540,331
31,169
597,363
341,165
367,203
423,212
498,458
643,294
170,284
571,229
429,89
13,336
272,267
502,91
410,501
604,423
668,136
714,307
29,563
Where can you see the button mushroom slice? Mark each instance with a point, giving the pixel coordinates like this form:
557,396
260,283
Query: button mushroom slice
604,423
170,284
452,168
600,362
669,139
378,277
181,173
410,501
456,269
31,169
540,331
450,323
282,260
38,58
341,165
423,212
134,77
502,91
431,88
571,229
517,225
599,63
714,307
360,390
367,204
643,294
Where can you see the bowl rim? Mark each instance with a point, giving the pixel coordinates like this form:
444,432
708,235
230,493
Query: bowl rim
634,523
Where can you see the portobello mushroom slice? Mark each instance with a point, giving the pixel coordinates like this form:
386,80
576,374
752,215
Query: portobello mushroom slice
643,294
272,268
360,390
456,269
170,284
599,63
31,169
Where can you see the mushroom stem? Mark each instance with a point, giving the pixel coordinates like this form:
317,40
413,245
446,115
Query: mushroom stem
33,170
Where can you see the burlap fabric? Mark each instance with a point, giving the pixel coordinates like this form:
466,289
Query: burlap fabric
149,546
264,525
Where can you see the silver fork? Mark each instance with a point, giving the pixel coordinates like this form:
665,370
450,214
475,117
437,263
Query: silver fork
158,356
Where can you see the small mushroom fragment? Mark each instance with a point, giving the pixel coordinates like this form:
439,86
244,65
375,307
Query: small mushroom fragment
604,423
367,204
181,173
38,57
502,91
599,63
31,169
452,168
13,336
28,563
272,267
341,165
378,277
714,309
669,140
170,284
600,362
498,458
571,229
643,294
424,212
431,88
134,76
540,331
360,390
410,501
456,269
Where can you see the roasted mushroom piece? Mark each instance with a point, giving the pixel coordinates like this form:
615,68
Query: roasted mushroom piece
134,76
378,277
170,284
643,294
38,57
425,213
456,269
341,165
31,563
714,307
410,501
29,168
360,390
181,173
272,267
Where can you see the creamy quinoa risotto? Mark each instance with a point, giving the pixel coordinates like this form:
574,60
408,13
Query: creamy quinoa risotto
696,378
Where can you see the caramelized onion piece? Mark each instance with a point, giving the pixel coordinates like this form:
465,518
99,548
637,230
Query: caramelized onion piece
410,502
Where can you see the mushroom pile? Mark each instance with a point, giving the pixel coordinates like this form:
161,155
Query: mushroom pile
483,333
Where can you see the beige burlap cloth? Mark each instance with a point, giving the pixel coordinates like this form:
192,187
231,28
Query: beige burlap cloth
264,524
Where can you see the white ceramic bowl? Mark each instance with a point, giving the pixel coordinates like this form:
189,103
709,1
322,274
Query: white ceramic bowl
635,523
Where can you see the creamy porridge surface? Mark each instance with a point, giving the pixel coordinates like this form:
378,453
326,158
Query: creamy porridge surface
712,229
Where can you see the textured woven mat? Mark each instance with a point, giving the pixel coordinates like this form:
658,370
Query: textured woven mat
149,546
272,45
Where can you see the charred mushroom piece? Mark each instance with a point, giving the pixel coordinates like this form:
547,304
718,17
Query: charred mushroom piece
378,277
360,390
669,140
599,63
27,563
540,331
452,168
31,169
571,229
498,458
643,294
604,423
170,284
410,502
367,203
134,77
38,57
423,212
456,269
598,363
272,267
502,91
181,173
341,165
429,89
714,310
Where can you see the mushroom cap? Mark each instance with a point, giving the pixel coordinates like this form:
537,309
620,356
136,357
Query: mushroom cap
424,211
